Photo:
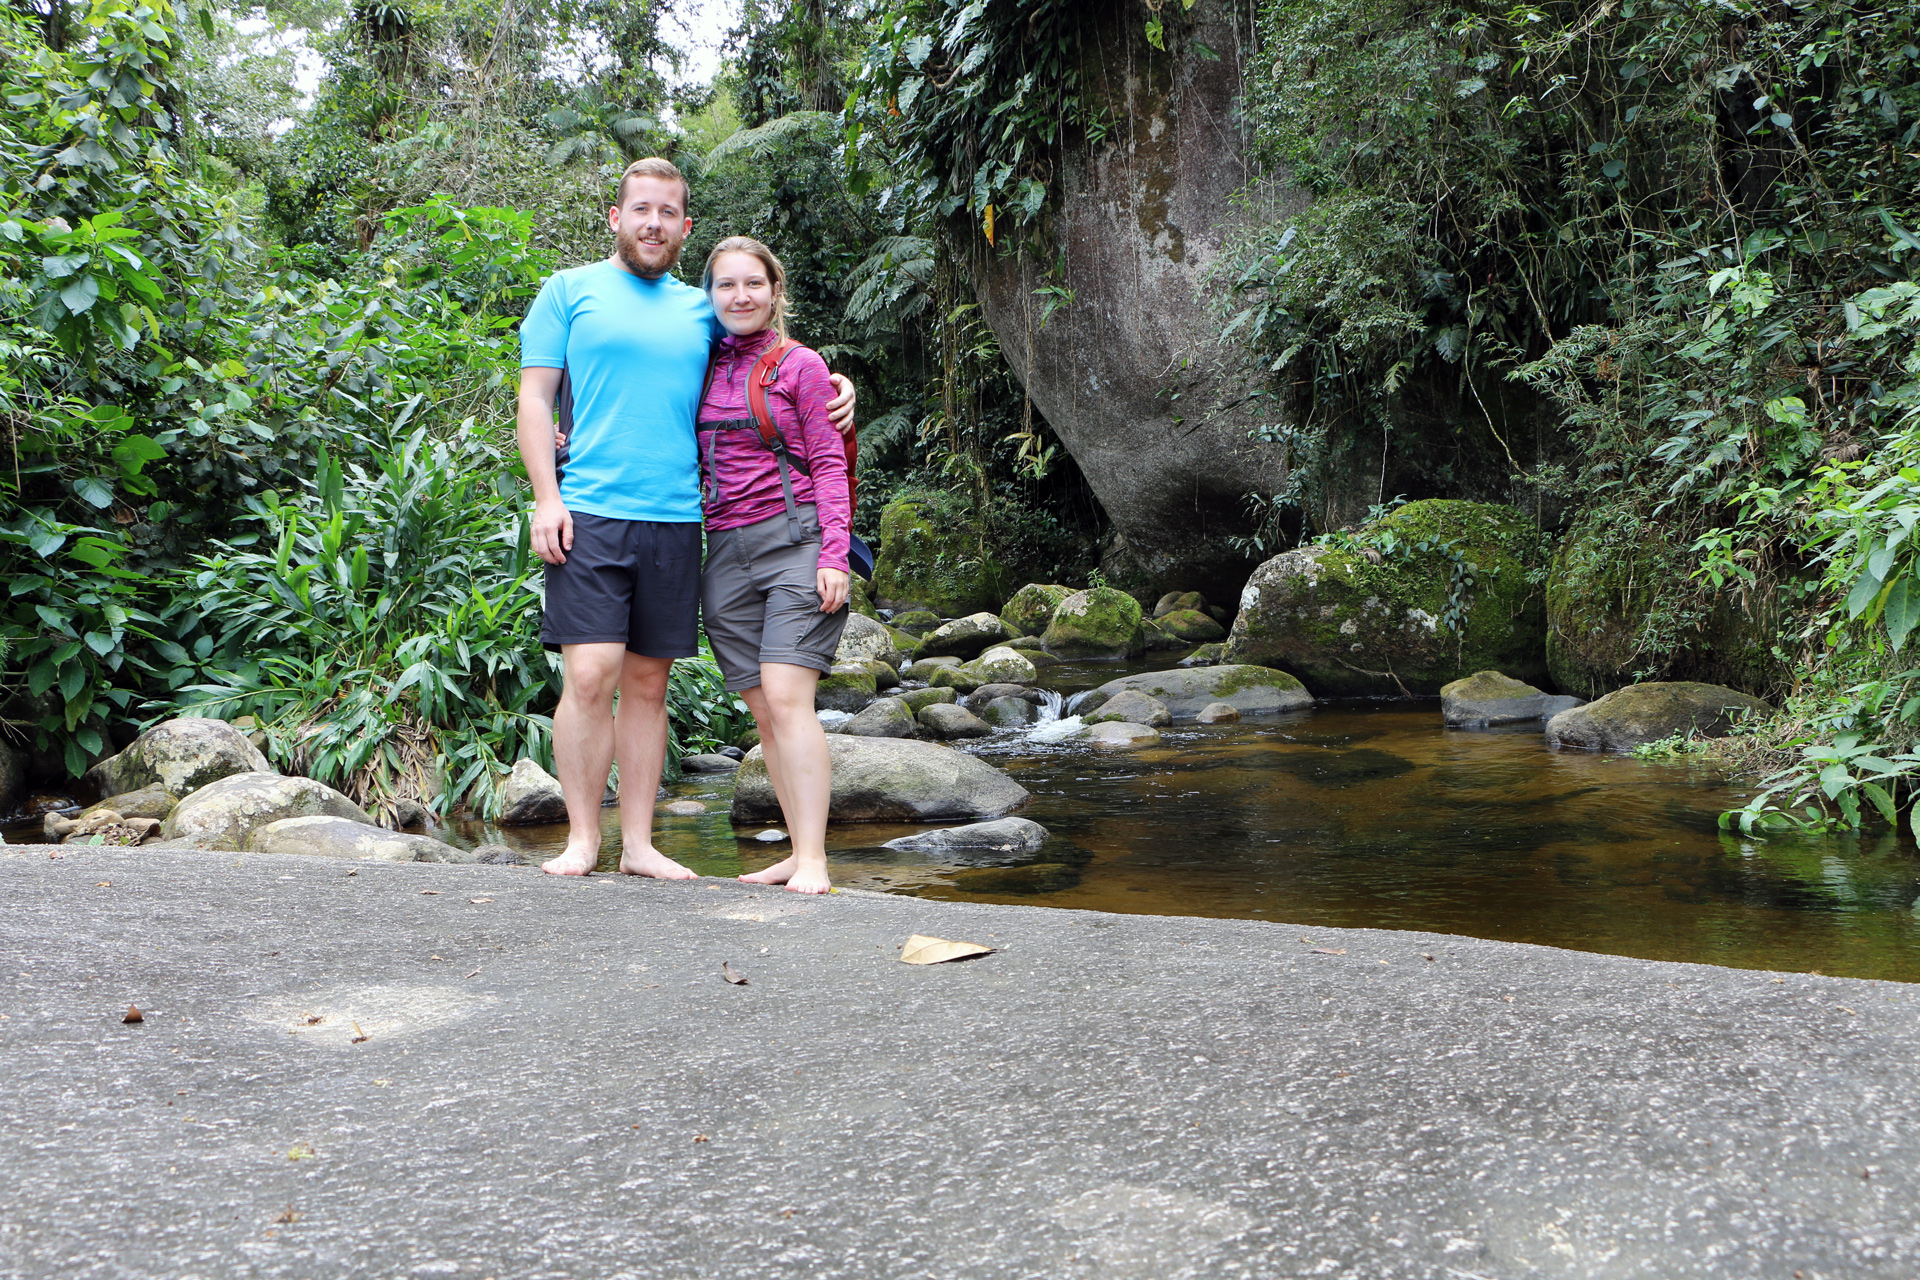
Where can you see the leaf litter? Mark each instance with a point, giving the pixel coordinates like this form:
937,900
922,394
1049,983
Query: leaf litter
921,949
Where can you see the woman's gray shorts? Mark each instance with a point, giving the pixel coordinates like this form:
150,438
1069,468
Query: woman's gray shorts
760,600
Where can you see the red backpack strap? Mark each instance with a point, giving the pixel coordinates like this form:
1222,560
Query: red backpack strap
765,371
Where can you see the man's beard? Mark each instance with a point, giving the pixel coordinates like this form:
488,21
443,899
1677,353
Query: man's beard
628,247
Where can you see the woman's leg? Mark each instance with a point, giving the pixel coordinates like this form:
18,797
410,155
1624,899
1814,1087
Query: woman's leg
795,749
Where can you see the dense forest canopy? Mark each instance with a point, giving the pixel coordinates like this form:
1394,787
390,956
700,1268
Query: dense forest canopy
1644,270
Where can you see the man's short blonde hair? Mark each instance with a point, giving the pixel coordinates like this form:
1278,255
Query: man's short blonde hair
654,167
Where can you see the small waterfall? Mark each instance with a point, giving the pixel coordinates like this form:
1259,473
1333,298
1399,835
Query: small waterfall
1053,706
1076,700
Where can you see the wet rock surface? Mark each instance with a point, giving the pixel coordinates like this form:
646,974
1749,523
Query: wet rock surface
708,764
1488,697
1121,735
848,687
1005,835
1098,623
1031,608
944,720
963,638
1133,706
890,780
883,718
1248,689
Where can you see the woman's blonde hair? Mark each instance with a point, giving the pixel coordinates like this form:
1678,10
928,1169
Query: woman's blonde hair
776,273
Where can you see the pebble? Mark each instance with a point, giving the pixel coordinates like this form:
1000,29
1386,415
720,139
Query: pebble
770,836
684,808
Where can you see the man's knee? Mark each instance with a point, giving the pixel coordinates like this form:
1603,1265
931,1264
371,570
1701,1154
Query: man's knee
645,679
591,677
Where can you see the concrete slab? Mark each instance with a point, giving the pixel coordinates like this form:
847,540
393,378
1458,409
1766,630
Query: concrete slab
556,1081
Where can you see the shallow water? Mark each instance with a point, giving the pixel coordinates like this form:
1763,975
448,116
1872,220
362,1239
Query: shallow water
1374,815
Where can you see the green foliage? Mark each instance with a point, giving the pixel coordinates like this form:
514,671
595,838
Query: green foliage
381,626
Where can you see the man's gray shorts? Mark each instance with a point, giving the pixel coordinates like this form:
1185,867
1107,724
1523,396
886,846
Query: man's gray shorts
760,600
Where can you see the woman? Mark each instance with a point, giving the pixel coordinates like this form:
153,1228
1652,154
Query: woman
773,594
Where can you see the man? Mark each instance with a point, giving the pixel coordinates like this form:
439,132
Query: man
620,529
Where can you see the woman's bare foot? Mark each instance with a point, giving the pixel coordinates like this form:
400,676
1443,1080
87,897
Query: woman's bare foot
578,860
651,862
799,874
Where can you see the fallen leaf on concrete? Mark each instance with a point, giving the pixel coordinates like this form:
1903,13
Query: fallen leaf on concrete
698,1137
430,892
354,872
1842,1008
300,1151
1508,999
734,976
286,1215
103,884
921,949
479,900
134,1015
1426,955
474,974
1329,951
359,1036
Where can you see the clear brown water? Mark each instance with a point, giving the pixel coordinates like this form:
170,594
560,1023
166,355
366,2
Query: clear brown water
1374,815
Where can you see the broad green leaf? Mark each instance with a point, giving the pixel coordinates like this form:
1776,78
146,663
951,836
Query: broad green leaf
1865,588
1902,612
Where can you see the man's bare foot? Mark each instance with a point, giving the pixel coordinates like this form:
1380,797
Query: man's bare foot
651,862
800,875
578,860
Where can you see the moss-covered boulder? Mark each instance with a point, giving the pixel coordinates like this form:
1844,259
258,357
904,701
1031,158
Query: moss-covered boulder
1652,712
963,638
1190,626
917,699
865,638
1097,623
1159,640
1207,655
846,688
179,756
860,599
1623,605
1249,690
930,560
1001,665
1031,608
1132,707
882,718
1488,697
916,622
1432,592
944,720
1177,602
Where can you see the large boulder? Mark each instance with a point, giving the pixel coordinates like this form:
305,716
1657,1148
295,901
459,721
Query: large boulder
1652,712
883,718
865,639
1435,591
1031,608
330,837
1009,712
1002,665
1487,697
179,756
1132,375
1247,689
1622,602
915,622
225,813
1097,623
532,797
1003,835
1178,602
889,780
963,638
929,560
945,721
1133,707
915,699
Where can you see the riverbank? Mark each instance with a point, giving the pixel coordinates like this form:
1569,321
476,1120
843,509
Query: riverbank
556,1080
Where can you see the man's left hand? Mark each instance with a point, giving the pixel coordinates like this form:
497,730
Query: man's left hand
840,408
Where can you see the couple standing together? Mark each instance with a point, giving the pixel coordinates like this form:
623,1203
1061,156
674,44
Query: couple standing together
664,432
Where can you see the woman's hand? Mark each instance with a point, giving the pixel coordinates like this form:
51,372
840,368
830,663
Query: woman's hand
833,584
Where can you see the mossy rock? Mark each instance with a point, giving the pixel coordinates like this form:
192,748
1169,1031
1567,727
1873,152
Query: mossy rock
1190,626
1248,690
1097,623
860,599
1159,639
1178,602
1032,607
1435,591
931,561
845,688
916,622
918,699
1622,605
1653,712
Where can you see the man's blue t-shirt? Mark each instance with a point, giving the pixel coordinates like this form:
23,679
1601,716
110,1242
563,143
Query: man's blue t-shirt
636,351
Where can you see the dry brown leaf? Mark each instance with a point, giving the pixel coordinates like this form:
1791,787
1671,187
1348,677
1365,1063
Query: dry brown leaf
428,893
921,949
477,900
1329,951
134,1015
732,974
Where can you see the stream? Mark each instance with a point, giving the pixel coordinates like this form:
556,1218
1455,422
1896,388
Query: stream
1372,814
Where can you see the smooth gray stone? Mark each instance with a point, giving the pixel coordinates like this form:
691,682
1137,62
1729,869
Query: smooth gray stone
945,720
1127,1096
1005,835
708,764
